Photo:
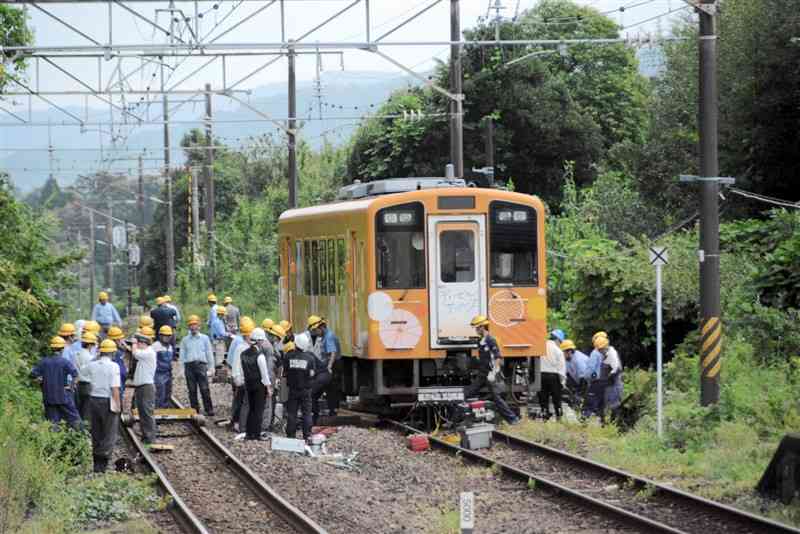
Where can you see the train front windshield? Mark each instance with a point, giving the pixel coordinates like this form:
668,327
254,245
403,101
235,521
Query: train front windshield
400,247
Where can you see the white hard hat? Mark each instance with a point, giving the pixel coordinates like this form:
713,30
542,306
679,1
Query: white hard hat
258,335
303,342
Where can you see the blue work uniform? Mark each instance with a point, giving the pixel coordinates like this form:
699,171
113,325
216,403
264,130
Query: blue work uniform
578,367
119,359
163,376
58,399
331,346
105,314
216,329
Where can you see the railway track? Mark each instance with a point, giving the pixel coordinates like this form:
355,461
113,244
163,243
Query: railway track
213,491
631,500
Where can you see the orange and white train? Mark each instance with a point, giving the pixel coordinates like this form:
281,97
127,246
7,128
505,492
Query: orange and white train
399,267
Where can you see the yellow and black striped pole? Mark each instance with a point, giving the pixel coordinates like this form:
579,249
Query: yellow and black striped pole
710,359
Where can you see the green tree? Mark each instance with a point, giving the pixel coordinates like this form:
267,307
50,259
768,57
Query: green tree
15,32
548,108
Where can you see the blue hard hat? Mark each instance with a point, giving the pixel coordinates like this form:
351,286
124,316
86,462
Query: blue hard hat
558,334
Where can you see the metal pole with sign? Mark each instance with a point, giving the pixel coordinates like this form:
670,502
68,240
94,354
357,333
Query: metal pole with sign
467,515
658,257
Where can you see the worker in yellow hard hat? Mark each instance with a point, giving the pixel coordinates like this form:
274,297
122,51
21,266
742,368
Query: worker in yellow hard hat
606,388
105,313
164,315
578,374
53,372
287,327
68,333
104,405
82,360
197,357
165,354
218,335
489,373
144,381
327,349
173,306
212,308
146,320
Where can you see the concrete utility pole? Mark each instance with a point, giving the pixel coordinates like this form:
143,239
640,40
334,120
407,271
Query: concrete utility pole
490,142
128,270
711,338
140,233
194,178
110,246
292,133
167,175
456,87
92,257
80,278
209,167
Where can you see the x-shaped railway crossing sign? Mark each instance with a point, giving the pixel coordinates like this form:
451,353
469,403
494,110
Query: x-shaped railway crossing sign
658,256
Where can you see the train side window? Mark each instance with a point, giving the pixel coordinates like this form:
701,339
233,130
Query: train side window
323,267
513,246
315,267
400,247
331,267
298,245
341,262
308,270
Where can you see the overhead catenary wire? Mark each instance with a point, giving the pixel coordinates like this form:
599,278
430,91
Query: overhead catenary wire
764,198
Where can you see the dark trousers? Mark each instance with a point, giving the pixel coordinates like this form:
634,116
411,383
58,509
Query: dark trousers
82,398
333,391
104,429
482,380
551,390
195,373
238,400
163,383
594,398
256,401
318,387
302,399
145,401
56,413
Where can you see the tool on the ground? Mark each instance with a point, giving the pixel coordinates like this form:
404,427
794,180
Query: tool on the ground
167,414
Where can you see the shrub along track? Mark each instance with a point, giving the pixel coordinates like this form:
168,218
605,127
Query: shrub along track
212,491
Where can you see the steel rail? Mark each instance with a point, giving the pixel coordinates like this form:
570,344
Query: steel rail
277,504
180,511
625,516
745,519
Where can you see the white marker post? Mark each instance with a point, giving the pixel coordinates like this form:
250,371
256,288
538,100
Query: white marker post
467,515
658,257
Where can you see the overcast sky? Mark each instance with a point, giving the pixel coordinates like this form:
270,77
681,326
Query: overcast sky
302,15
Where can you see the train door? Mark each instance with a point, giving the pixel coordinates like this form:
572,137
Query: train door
456,267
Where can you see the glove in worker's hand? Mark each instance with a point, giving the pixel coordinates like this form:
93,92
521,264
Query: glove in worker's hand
210,373
491,377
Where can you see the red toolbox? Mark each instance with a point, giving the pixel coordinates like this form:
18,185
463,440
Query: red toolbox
418,443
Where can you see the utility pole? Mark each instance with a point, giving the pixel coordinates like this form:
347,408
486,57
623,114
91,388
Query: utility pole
167,175
490,143
92,262
128,270
291,134
195,206
456,84
80,279
110,246
711,329
140,232
209,167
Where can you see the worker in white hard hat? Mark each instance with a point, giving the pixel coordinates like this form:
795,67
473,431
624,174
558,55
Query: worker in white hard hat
252,374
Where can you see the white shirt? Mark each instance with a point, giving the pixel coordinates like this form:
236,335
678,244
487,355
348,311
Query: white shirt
145,366
82,360
238,373
553,361
612,360
104,375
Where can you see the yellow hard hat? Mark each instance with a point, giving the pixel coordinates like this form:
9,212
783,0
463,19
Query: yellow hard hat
247,321
286,325
247,327
227,300
108,346
89,337
165,330
288,347
66,329
160,301
146,320
212,298
599,334
115,333
91,326
167,298
221,310
600,342
314,321
267,323
479,320
193,319
147,332
567,344
57,342
277,331
102,296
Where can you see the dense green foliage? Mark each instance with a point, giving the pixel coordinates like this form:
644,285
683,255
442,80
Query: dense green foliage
15,32
549,109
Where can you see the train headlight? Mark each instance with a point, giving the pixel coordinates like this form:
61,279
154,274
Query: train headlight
504,216
398,217
520,216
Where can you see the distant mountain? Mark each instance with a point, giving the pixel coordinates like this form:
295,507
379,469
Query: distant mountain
344,98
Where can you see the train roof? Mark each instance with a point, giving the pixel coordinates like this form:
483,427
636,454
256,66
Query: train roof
399,190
